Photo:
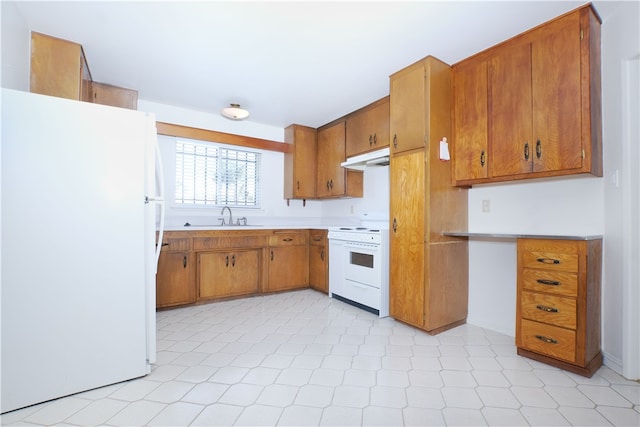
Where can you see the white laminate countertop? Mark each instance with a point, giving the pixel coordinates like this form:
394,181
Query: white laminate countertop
245,227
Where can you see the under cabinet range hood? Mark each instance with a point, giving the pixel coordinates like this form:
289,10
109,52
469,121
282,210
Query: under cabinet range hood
374,158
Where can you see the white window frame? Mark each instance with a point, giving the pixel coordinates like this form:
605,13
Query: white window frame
202,164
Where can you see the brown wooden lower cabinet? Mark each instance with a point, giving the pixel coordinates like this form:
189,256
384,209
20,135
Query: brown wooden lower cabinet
558,303
227,274
175,283
319,261
208,265
288,260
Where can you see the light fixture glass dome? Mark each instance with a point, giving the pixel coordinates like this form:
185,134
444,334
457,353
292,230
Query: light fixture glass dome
234,112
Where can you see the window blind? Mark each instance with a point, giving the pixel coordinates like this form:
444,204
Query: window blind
209,175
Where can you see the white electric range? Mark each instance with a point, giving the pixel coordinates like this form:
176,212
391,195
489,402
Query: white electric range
359,264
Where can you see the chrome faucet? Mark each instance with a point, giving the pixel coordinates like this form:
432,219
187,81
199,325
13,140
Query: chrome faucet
230,216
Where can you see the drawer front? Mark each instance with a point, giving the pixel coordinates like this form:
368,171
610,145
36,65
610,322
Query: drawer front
554,255
549,340
360,293
288,239
553,282
554,310
176,244
228,242
318,237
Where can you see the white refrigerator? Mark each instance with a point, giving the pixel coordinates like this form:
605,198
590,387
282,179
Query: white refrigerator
79,211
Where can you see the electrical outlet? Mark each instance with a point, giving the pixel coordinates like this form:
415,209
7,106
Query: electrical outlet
352,210
486,206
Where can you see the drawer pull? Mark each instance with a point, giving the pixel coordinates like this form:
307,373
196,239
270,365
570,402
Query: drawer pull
287,239
548,282
165,244
548,260
546,339
547,309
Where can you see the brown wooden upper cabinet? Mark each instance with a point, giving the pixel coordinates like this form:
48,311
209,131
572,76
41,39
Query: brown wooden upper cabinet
59,68
115,96
531,106
332,179
300,162
368,128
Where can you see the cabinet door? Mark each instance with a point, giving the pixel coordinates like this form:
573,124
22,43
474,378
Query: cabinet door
288,267
174,285
368,129
57,67
224,274
510,119
556,83
470,143
407,259
300,163
407,109
318,268
359,138
331,153
113,95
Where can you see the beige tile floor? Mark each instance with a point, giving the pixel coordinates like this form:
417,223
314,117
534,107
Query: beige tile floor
301,358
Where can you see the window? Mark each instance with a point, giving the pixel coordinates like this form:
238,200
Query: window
209,175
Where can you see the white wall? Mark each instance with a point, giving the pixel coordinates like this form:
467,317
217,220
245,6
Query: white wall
569,205
274,209
620,106
15,48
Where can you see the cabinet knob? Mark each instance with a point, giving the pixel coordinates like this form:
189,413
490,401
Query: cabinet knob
322,254
233,261
395,141
227,262
370,140
395,225
526,151
482,158
375,139
184,262
538,149
272,255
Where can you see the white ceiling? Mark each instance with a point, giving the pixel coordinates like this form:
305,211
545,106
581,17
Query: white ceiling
287,62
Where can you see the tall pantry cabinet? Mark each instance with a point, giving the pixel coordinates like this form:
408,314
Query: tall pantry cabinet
428,272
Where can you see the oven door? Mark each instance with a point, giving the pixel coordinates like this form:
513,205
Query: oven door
363,263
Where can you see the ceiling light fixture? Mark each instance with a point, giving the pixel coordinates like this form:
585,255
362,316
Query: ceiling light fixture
234,112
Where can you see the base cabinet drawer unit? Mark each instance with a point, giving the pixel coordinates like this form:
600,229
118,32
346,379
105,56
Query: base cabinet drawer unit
558,302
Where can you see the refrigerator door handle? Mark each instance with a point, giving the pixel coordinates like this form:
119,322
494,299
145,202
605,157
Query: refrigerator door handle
159,199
